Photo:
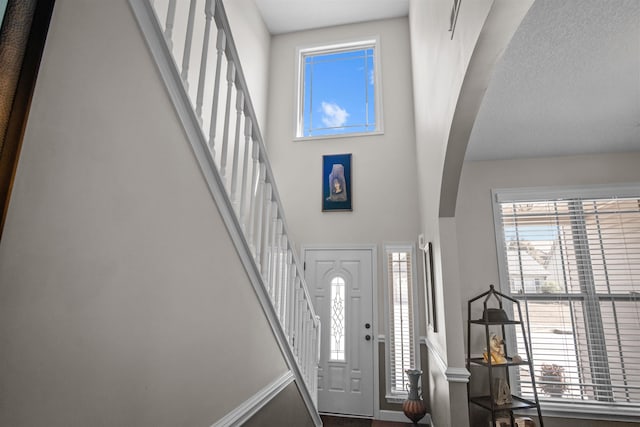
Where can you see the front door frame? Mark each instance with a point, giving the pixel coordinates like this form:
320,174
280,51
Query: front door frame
374,300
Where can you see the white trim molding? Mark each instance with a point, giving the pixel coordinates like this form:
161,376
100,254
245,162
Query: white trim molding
452,374
243,412
457,375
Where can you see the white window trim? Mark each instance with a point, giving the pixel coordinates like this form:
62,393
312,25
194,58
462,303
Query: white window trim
399,397
337,47
500,195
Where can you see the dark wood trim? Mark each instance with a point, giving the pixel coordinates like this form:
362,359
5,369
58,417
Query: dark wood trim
22,102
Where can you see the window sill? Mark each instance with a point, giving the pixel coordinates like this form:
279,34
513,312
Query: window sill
342,135
586,412
396,398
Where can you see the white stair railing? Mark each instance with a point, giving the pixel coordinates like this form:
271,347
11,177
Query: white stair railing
211,84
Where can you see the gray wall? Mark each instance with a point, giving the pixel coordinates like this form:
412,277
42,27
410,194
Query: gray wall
384,181
122,299
478,258
384,171
253,42
438,68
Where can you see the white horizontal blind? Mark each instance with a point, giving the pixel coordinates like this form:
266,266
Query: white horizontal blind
401,324
574,263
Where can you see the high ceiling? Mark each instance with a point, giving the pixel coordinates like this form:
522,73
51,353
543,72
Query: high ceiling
285,16
569,82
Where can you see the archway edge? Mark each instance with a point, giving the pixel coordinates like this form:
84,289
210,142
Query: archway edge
503,20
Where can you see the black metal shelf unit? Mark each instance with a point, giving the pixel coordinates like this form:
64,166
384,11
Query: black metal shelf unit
496,316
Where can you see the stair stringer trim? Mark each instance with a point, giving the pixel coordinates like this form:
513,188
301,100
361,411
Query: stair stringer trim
243,412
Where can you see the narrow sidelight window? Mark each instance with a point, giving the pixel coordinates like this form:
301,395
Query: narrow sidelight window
401,345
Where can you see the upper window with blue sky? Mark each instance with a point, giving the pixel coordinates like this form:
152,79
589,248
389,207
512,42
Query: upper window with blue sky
338,90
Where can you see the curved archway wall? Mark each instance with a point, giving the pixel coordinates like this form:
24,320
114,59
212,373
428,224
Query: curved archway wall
450,77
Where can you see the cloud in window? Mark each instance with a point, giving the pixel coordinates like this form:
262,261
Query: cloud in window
371,77
333,115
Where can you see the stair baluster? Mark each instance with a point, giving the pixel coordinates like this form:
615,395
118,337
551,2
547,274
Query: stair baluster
186,55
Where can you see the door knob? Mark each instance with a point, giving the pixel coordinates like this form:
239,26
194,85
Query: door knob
367,337
367,325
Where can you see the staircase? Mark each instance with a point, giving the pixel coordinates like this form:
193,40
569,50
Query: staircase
196,55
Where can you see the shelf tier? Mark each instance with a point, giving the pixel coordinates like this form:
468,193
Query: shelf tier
510,362
502,322
517,403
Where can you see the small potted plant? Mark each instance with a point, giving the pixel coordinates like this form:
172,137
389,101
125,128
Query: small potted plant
552,379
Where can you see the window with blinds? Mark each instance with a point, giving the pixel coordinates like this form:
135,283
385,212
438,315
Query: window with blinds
573,261
401,348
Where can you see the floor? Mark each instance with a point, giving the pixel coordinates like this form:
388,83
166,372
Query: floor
329,421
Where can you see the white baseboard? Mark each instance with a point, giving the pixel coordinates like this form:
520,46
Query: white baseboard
400,417
251,406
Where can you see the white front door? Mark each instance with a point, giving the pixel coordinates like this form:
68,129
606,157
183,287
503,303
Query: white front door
341,286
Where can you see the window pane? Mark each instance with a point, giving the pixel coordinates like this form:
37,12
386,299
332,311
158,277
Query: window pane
337,319
401,328
550,328
623,348
371,90
613,234
338,93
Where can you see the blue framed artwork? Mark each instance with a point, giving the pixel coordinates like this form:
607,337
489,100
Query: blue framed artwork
336,182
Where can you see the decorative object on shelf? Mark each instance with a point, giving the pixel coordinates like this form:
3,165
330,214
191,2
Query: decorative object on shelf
520,422
494,315
496,350
501,392
414,407
552,380
336,182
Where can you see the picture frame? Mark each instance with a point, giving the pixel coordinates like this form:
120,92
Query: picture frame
336,183
429,283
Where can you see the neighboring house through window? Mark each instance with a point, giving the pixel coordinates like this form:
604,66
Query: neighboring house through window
572,258
339,90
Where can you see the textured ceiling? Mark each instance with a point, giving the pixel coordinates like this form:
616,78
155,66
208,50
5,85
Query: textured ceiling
569,83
